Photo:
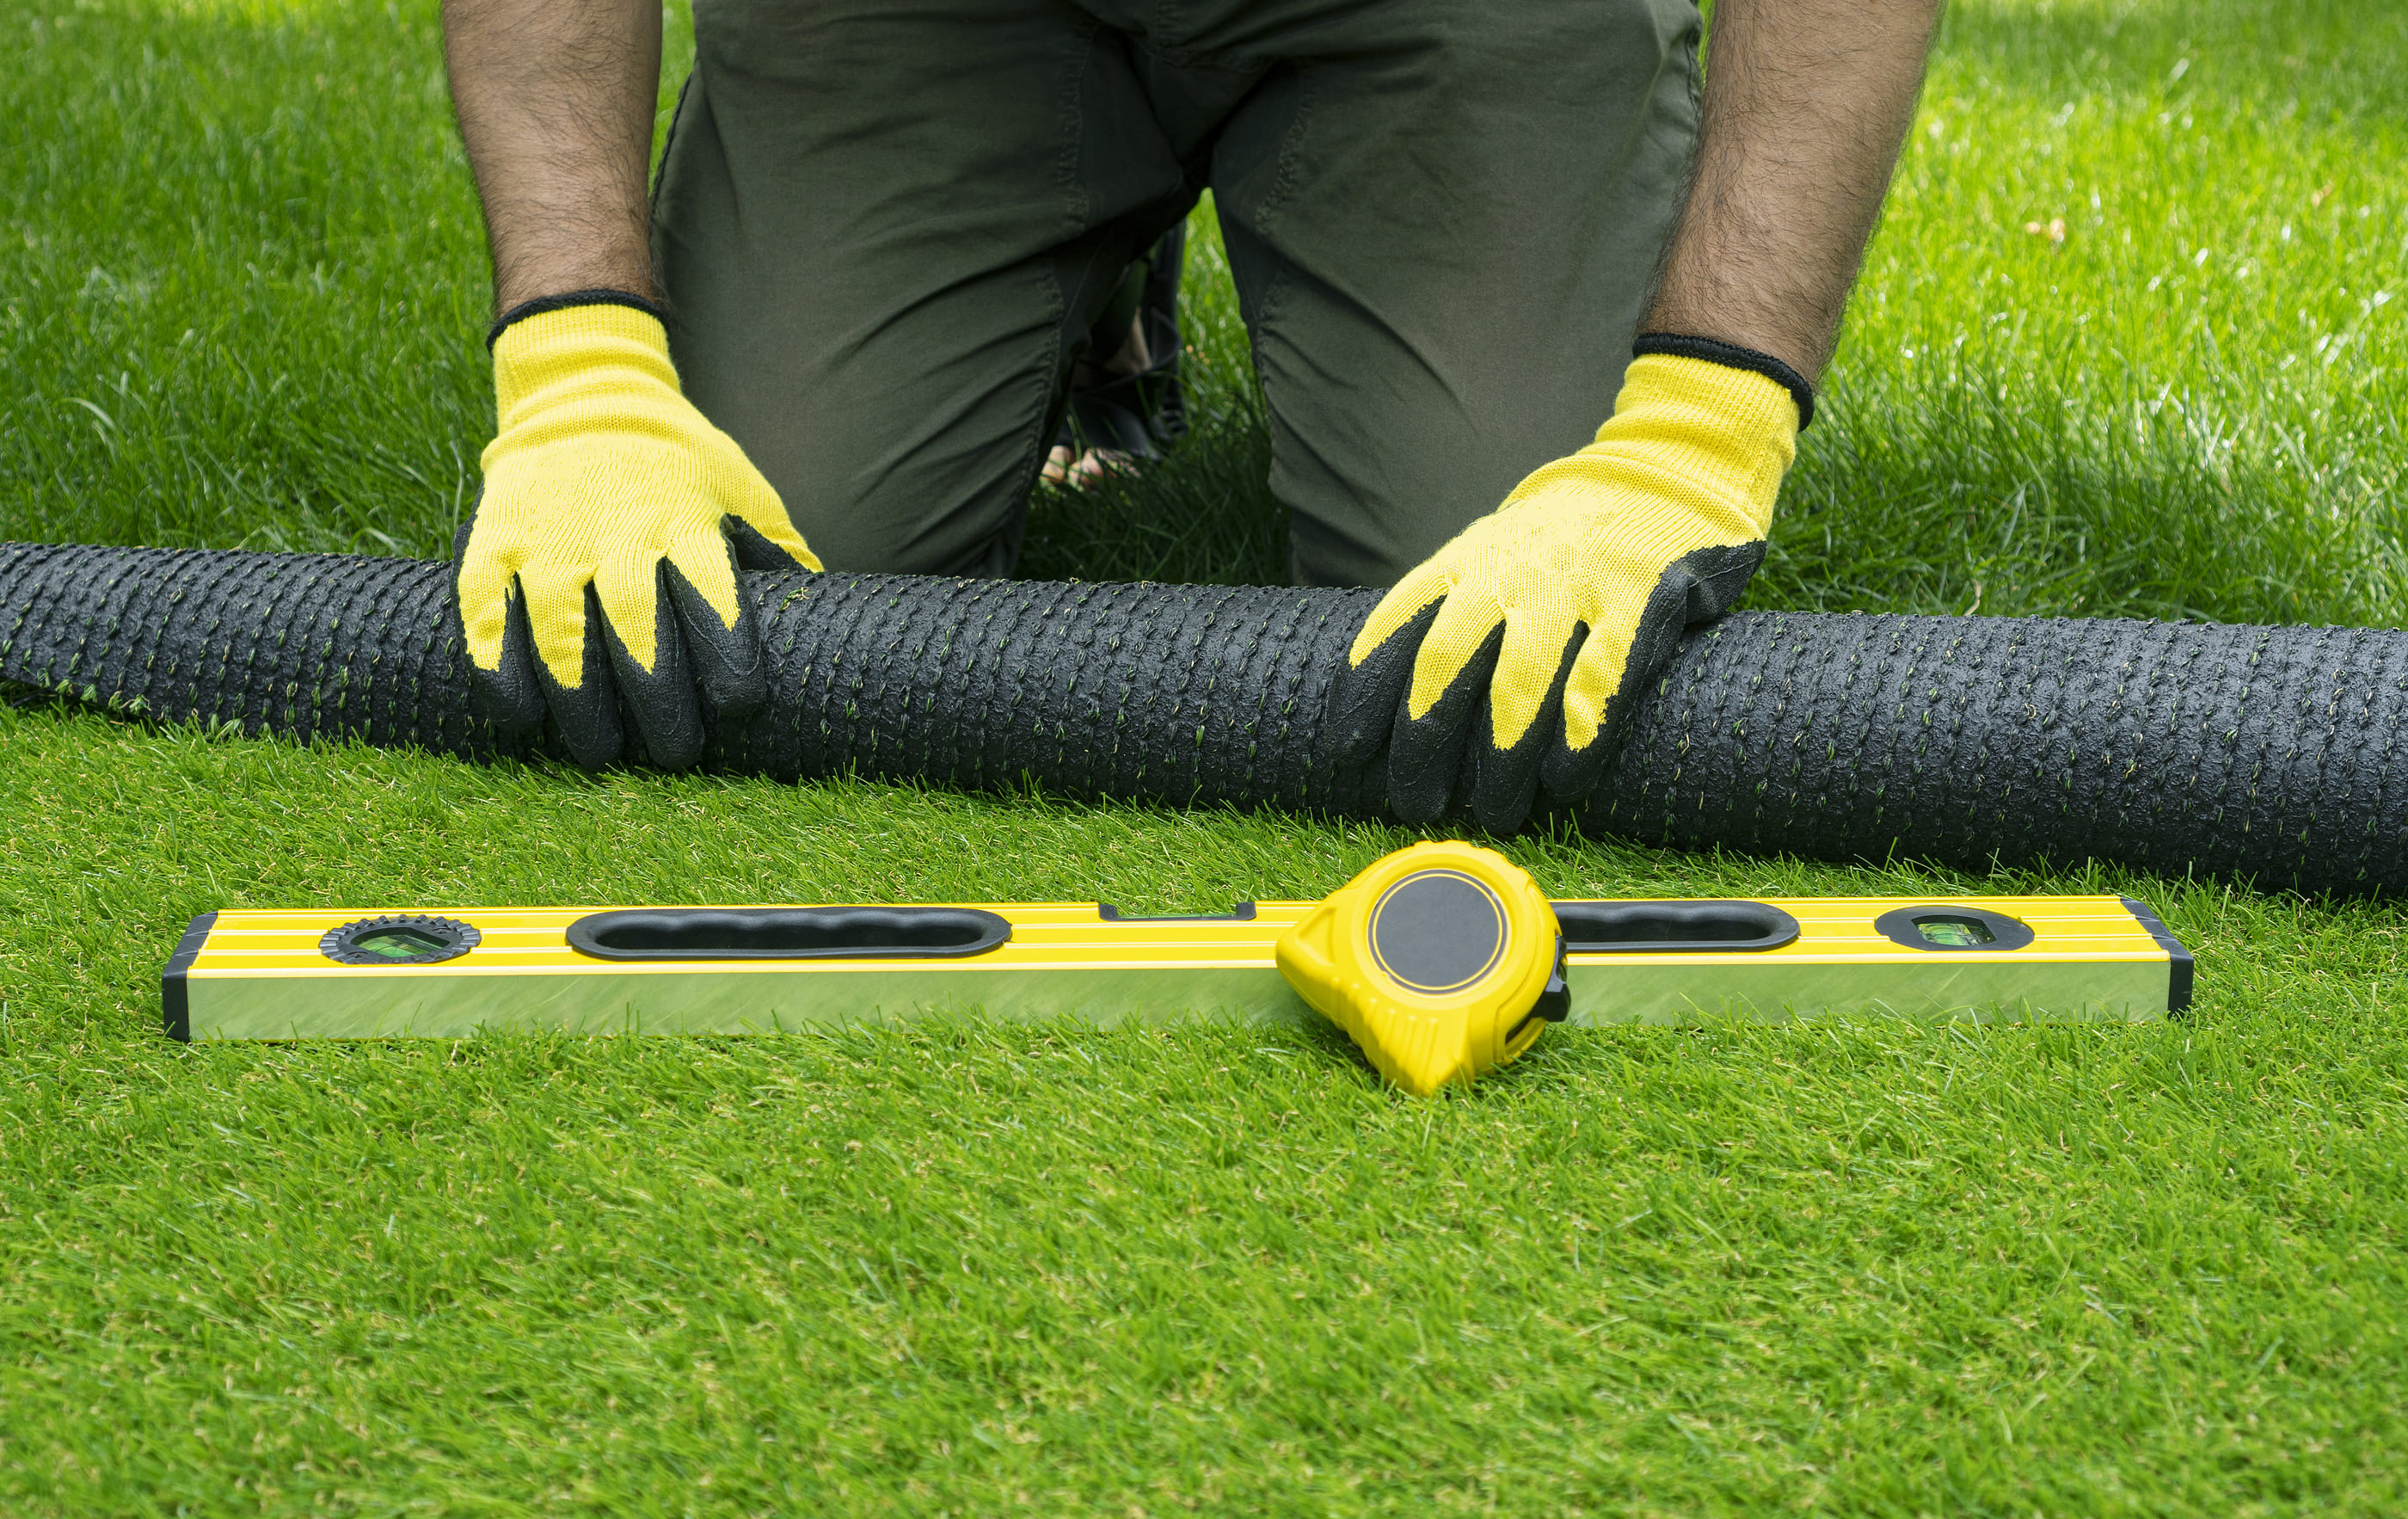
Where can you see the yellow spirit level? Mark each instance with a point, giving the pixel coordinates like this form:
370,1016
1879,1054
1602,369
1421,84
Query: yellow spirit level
264,975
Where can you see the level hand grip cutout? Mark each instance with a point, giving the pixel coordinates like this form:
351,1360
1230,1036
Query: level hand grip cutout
800,933
1672,927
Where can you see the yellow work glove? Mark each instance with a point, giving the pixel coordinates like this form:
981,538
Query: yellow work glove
600,565
1504,660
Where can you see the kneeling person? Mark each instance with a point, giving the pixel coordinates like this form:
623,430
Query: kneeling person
842,328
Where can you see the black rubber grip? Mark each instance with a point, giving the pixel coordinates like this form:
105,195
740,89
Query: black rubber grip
2271,754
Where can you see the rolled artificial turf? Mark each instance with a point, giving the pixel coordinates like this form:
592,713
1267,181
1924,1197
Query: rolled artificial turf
2266,753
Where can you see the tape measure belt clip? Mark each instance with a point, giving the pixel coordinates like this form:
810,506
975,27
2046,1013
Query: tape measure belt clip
800,933
1554,1002
1704,926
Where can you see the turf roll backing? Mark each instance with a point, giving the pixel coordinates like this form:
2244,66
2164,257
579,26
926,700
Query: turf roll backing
2266,753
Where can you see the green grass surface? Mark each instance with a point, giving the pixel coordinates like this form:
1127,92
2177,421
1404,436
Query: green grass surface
1877,1270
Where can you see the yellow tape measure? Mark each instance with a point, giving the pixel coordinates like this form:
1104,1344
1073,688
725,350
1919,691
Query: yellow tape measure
1442,961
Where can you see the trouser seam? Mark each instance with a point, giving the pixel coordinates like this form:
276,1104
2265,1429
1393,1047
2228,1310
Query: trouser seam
1266,217
659,291
1051,375
1283,273
668,140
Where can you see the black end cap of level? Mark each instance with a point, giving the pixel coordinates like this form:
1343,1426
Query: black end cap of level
175,1009
2179,964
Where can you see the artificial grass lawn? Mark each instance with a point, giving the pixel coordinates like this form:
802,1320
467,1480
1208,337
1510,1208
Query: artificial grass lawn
1872,1269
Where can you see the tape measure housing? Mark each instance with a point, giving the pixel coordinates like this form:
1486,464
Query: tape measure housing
1440,961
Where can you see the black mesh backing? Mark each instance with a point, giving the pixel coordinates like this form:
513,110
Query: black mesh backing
2272,752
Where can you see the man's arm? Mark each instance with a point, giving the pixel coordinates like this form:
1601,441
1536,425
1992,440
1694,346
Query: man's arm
1806,104
1499,668
555,105
604,487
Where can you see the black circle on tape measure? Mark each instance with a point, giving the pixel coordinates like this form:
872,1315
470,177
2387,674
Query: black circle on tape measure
1438,931
407,938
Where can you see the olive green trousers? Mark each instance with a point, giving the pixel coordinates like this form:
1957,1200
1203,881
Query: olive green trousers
884,228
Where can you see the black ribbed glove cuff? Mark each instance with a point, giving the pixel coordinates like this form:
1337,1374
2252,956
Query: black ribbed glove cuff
541,304
1800,389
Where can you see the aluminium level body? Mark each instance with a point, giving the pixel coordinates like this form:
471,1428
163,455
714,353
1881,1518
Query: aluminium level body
266,975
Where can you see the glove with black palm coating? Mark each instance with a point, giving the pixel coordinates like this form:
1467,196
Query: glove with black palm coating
601,562
1505,662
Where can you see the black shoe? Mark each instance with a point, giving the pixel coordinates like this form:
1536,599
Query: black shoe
1135,414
